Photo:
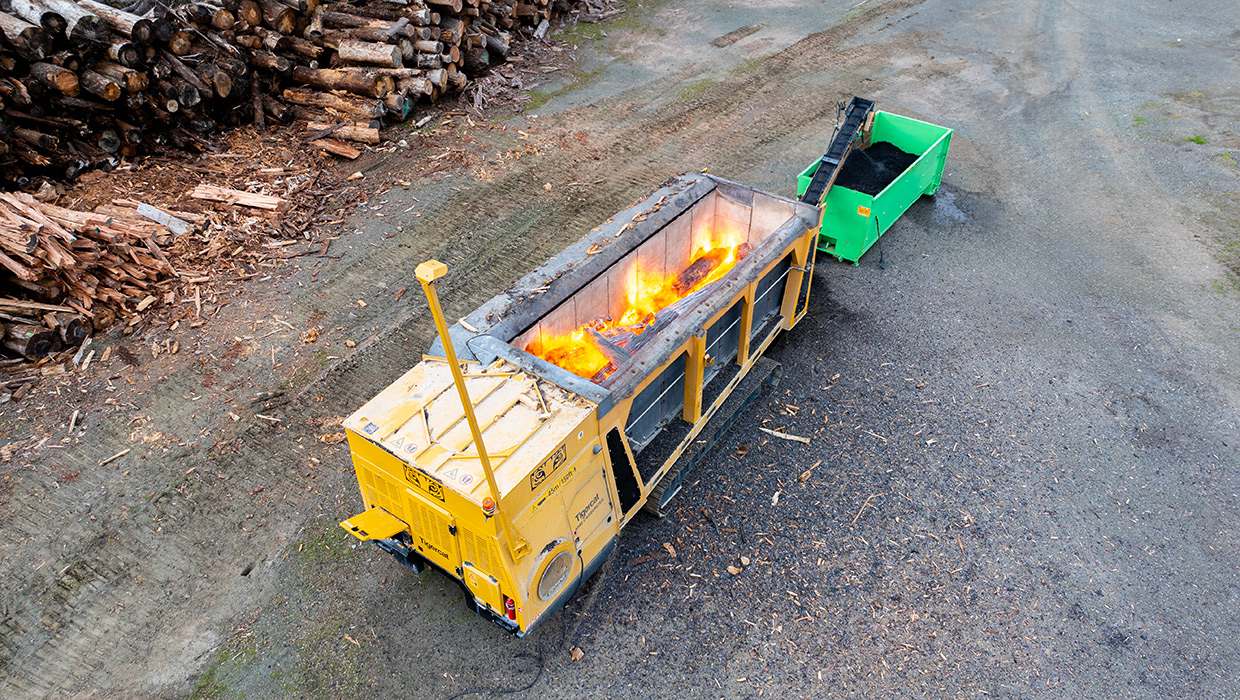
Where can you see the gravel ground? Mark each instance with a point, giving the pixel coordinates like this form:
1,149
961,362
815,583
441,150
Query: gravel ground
1021,405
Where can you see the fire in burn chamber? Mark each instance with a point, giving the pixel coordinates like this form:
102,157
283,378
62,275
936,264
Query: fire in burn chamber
653,300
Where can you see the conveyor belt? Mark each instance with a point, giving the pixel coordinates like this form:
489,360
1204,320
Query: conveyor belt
854,119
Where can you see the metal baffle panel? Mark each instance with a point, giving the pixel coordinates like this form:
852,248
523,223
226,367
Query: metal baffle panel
768,297
723,339
657,405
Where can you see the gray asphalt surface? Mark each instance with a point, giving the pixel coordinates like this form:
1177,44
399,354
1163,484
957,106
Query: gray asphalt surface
1023,428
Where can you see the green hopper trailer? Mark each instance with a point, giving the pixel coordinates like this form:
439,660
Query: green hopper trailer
852,221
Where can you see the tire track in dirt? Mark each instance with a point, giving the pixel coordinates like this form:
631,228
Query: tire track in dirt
73,622
129,588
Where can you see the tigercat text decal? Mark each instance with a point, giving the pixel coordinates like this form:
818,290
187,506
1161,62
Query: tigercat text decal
586,512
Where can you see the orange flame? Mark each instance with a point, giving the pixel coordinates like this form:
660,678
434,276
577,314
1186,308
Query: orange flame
574,351
648,294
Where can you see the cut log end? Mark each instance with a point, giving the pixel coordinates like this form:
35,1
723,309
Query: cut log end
30,341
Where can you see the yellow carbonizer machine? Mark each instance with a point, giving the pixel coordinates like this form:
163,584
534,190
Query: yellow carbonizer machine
592,385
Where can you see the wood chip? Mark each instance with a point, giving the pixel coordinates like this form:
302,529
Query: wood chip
785,436
245,199
116,456
31,305
337,148
805,475
177,226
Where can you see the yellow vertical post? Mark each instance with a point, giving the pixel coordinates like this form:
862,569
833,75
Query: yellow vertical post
742,349
792,287
695,370
427,273
811,255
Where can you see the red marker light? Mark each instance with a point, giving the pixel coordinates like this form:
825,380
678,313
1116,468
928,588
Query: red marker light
488,506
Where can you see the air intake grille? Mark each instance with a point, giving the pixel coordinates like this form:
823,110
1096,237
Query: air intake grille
382,493
429,525
479,551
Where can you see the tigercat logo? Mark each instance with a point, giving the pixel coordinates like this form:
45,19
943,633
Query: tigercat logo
589,509
548,466
430,486
432,547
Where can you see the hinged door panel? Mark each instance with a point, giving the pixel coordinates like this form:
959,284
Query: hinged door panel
434,532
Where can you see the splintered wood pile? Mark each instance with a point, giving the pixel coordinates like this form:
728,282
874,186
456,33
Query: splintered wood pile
83,84
86,264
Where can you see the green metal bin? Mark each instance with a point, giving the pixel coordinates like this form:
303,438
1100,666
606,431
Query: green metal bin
851,220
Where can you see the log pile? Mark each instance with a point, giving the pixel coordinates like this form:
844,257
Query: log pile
84,84
82,266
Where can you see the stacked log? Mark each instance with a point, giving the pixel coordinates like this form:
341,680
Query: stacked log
84,84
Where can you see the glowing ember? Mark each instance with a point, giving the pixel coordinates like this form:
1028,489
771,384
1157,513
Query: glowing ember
575,352
596,349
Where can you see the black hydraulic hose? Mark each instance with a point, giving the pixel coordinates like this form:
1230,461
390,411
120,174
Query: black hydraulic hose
538,656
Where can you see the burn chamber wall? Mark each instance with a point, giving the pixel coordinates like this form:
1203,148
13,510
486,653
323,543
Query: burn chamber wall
575,286
714,221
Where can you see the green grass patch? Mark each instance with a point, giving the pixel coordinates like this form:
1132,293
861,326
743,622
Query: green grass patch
331,668
1224,244
1225,287
636,18
1196,139
697,88
208,686
580,79
1139,120
233,654
323,543
749,65
582,33
538,98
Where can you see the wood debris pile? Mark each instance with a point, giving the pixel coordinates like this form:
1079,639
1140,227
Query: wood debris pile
83,84
83,265
68,272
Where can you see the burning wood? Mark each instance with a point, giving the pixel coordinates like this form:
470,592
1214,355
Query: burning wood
700,269
614,352
600,347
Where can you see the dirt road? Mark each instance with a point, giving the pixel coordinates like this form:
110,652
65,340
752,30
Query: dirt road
1021,477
